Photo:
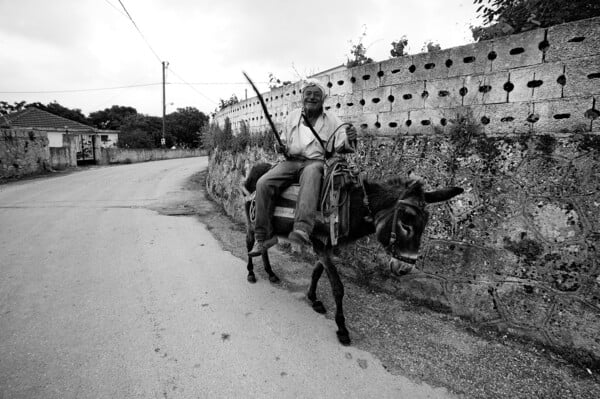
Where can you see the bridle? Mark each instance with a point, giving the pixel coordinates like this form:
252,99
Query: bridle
390,248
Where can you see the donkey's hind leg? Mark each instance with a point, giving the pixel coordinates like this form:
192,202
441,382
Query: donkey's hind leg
312,290
267,263
250,266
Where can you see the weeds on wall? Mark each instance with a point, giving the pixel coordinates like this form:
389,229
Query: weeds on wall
213,137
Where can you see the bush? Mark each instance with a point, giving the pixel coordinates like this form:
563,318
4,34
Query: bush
214,137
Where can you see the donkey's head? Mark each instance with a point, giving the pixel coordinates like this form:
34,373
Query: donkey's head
400,216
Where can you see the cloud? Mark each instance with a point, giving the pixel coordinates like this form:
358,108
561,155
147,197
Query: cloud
92,44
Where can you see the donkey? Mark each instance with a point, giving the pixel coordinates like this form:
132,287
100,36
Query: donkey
393,210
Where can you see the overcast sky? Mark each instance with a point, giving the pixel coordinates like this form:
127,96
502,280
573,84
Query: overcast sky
66,50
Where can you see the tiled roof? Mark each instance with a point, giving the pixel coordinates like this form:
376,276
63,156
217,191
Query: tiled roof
36,118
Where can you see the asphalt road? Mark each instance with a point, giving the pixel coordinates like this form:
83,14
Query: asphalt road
111,288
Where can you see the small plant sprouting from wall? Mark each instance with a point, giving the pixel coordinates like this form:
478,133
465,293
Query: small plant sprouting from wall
462,133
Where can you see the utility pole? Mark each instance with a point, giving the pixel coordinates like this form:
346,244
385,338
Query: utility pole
165,64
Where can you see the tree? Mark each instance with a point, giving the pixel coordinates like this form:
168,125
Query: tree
57,109
502,17
53,107
112,118
6,108
358,53
274,82
431,47
184,126
226,103
136,138
398,47
150,126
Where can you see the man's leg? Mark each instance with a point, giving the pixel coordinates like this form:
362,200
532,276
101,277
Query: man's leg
311,178
268,187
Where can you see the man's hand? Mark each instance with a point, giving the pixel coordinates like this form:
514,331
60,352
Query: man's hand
351,134
280,149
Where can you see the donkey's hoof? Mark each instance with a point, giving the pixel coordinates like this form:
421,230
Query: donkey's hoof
274,279
319,307
252,278
343,337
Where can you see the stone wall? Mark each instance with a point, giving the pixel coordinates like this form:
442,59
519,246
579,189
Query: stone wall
23,152
515,122
125,155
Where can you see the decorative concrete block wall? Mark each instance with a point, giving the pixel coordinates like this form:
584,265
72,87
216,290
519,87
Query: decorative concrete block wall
518,250
542,81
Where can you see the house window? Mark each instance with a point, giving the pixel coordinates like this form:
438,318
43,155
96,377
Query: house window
104,137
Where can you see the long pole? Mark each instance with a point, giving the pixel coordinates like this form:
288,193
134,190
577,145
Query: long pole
164,105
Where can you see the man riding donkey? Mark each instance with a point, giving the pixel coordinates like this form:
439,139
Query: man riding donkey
308,133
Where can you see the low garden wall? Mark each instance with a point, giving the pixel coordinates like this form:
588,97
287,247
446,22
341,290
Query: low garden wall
115,155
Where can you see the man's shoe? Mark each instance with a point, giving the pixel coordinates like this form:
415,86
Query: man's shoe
262,246
299,237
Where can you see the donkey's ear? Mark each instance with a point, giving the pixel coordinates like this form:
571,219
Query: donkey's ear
442,195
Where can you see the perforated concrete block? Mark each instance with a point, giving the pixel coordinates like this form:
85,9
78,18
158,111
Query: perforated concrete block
276,96
582,77
331,101
392,123
517,50
396,71
408,96
563,115
376,100
421,121
292,92
491,90
339,83
366,121
428,66
536,83
351,104
470,59
471,90
365,77
443,93
574,40
507,118
337,104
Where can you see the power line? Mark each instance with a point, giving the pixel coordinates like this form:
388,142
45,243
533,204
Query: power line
218,83
133,86
80,90
140,32
116,9
193,88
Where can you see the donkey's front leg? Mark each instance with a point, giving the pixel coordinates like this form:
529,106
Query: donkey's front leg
312,290
267,263
338,295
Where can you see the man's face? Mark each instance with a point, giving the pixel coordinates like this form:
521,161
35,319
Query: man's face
312,98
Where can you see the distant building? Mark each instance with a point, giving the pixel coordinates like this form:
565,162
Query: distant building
63,132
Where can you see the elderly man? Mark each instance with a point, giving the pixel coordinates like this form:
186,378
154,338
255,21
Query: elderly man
305,157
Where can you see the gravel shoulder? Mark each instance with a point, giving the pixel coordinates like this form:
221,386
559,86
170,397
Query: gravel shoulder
411,340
